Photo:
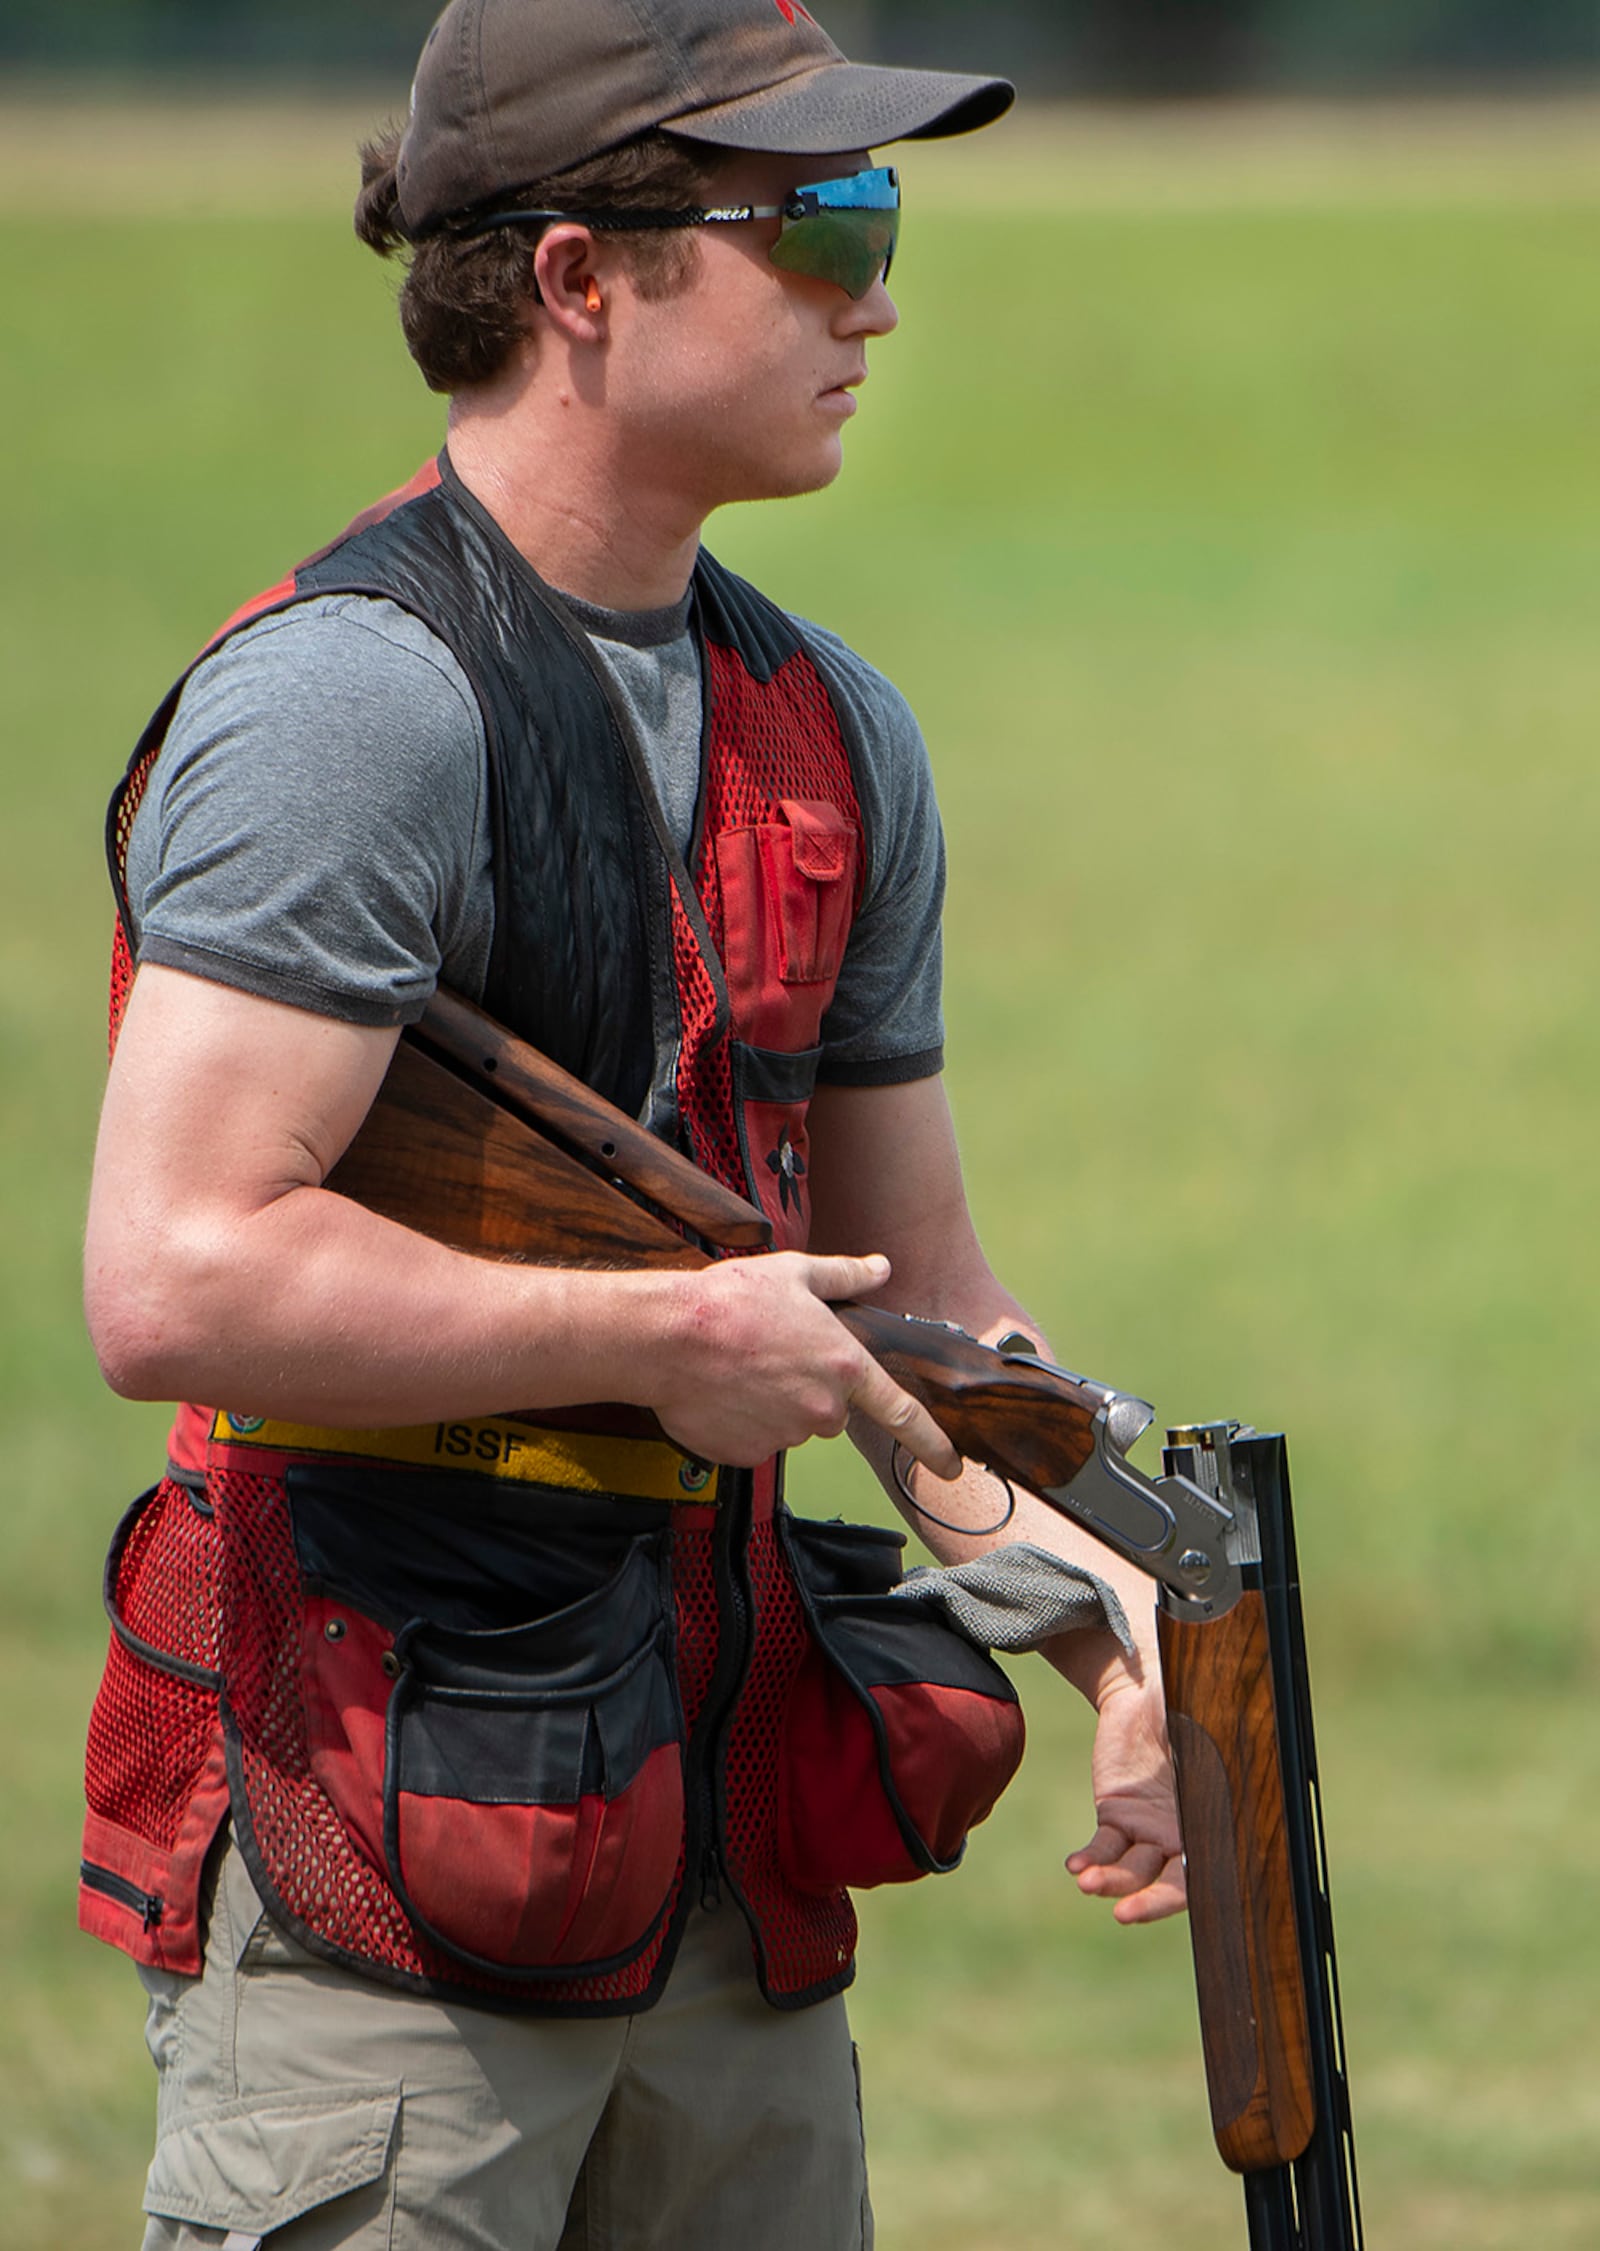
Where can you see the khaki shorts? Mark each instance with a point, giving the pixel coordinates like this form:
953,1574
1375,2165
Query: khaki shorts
306,2108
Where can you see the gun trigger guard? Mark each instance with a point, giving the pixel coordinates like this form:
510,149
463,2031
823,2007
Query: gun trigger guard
965,1531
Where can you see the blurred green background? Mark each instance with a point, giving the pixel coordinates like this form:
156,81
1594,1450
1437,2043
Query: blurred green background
1228,505
1137,47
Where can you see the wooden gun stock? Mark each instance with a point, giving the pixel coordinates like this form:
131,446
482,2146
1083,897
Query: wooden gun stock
533,1088
483,1143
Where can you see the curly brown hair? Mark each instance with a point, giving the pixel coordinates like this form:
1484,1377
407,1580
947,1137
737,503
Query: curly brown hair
465,300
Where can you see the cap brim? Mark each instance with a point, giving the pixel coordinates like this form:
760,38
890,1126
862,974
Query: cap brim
844,105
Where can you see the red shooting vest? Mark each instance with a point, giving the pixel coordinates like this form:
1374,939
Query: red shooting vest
491,1703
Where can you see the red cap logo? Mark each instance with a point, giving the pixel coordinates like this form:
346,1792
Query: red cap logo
789,9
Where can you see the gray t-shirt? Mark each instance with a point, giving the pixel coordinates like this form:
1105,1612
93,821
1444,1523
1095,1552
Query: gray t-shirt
316,826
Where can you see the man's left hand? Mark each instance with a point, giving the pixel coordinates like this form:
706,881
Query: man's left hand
1135,1856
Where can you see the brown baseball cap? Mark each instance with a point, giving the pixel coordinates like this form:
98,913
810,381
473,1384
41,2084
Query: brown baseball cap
509,91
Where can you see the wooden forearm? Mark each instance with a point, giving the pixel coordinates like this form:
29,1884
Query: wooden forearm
1224,1734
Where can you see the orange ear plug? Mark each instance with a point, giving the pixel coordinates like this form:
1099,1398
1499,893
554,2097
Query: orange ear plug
591,295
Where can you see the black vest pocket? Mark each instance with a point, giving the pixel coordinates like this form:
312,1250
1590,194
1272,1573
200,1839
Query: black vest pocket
491,1706
899,1735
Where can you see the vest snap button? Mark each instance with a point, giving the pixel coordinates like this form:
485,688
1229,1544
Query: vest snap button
335,1629
391,1665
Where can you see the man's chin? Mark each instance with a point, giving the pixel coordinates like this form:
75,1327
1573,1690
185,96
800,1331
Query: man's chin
793,480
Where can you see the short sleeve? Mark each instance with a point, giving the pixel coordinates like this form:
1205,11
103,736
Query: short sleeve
885,1023
315,829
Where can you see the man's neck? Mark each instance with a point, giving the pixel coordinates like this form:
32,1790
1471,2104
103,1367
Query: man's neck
585,528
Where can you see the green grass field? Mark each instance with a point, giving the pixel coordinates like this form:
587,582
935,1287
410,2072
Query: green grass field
1229,507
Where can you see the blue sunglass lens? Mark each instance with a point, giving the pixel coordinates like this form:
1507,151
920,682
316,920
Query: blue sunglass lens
842,231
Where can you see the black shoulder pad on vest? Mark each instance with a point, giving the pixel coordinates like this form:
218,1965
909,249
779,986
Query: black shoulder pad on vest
569,965
736,616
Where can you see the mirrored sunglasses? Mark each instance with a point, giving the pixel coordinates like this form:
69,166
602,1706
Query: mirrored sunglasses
843,231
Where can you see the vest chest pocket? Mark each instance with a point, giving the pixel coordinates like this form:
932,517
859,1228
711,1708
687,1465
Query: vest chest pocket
788,898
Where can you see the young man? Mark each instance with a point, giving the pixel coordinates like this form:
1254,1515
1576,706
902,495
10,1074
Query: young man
455,1778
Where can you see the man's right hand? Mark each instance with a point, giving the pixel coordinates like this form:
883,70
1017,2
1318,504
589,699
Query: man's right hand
755,1362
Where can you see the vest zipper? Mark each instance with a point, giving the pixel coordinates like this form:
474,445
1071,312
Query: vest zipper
149,1906
730,1579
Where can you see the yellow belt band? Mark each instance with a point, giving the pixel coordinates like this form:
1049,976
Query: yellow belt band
576,1461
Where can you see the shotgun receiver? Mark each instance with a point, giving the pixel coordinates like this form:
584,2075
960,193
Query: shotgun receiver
479,1141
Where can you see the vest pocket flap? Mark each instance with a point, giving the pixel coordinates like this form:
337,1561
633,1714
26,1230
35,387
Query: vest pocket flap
568,1650
528,1743
886,1644
459,1550
845,1559
807,862
824,844
255,2166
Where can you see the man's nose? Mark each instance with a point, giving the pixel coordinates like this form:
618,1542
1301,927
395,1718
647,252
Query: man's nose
875,314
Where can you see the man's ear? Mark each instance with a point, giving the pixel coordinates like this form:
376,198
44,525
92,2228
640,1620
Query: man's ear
566,268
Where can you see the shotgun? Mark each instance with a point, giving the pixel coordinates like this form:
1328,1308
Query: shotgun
481,1142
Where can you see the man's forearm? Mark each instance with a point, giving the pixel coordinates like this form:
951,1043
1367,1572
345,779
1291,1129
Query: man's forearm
313,1309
